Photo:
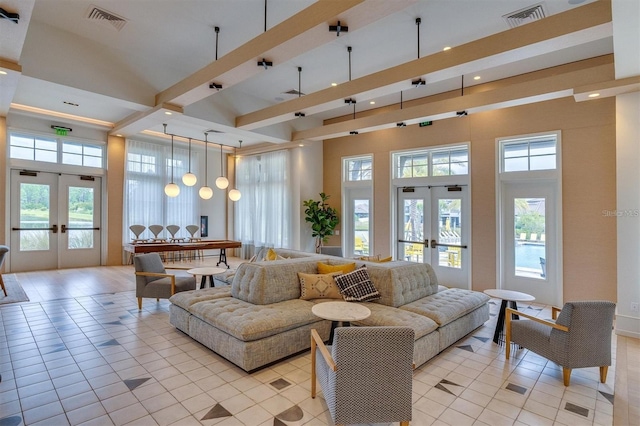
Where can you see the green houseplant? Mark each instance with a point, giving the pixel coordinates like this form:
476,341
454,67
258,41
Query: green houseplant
322,217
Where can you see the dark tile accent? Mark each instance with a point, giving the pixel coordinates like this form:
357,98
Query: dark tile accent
11,421
292,414
112,342
515,388
447,382
114,323
124,316
466,348
442,388
482,339
134,383
278,422
66,327
577,409
491,302
280,384
107,303
608,396
216,412
57,348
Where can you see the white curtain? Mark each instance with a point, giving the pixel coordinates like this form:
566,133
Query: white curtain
263,214
148,170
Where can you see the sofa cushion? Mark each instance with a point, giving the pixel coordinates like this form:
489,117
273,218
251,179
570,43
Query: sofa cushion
400,282
356,286
247,322
382,315
448,305
319,286
187,298
264,283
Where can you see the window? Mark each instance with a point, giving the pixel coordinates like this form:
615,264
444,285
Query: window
145,202
432,162
528,154
47,149
34,148
263,214
358,169
82,154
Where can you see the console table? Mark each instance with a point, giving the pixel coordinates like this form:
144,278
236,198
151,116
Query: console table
221,245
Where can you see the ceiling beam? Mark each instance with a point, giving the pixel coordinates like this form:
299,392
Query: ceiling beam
542,89
574,27
146,119
300,33
607,89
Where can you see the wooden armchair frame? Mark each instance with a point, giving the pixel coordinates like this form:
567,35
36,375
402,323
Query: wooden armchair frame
159,275
566,372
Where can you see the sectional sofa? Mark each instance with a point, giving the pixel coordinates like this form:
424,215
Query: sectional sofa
260,318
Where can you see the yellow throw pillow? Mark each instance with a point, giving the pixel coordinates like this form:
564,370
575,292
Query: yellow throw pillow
319,286
386,259
271,255
345,268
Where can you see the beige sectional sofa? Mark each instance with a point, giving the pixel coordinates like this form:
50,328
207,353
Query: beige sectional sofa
260,318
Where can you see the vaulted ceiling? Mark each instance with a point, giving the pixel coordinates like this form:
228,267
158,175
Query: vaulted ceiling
122,65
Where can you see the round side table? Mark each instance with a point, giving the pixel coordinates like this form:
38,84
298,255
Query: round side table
507,296
206,272
340,312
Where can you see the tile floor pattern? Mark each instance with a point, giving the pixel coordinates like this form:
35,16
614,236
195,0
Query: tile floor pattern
97,360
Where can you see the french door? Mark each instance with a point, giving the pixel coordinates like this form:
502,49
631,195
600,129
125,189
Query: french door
529,243
434,227
55,221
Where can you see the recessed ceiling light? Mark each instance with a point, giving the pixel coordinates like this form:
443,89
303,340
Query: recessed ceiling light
477,77
334,84
372,102
3,72
300,144
594,95
118,135
447,48
168,112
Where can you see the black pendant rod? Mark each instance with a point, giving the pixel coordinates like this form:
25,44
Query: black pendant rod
349,50
299,80
418,22
265,15
354,111
206,169
217,30
462,86
401,99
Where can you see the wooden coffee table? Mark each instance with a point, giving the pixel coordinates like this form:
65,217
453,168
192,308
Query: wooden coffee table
206,272
507,296
340,313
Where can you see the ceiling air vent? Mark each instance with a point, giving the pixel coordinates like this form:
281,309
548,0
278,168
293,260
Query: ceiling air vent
100,15
526,15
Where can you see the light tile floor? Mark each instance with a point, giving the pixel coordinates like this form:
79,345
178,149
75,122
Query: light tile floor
97,360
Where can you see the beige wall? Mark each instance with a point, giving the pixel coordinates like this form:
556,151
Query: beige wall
588,174
114,199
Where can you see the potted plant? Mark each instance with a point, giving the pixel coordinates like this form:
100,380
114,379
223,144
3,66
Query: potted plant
322,217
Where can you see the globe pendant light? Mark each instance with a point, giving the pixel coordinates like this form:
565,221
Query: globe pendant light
235,194
222,182
189,178
205,192
172,190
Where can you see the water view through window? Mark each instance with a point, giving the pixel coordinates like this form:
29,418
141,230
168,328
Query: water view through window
529,230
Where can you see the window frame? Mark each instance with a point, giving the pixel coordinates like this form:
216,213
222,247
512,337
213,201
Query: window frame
431,165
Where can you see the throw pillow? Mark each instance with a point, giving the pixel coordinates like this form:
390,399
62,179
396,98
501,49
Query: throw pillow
271,255
324,268
319,286
356,286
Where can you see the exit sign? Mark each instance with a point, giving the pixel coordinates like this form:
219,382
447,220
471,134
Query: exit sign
426,123
62,132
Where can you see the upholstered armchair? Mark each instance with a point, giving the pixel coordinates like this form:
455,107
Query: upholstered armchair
366,374
3,252
152,280
580,336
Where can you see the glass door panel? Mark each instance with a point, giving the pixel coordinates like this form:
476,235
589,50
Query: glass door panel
81,218
529,249
35,216
361,231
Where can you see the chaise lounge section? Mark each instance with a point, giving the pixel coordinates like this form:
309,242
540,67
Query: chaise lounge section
260,318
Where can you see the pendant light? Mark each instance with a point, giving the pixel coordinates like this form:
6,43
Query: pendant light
222,182
205,192
235,194
189,178
172,190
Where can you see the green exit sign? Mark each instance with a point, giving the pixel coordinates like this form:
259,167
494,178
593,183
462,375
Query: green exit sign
62,132
426,123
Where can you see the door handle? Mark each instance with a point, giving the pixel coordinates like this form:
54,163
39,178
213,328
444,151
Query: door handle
54,229
63,228
435,244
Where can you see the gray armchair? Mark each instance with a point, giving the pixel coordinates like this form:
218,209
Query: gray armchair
152,280
3,252
366,375
579,338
